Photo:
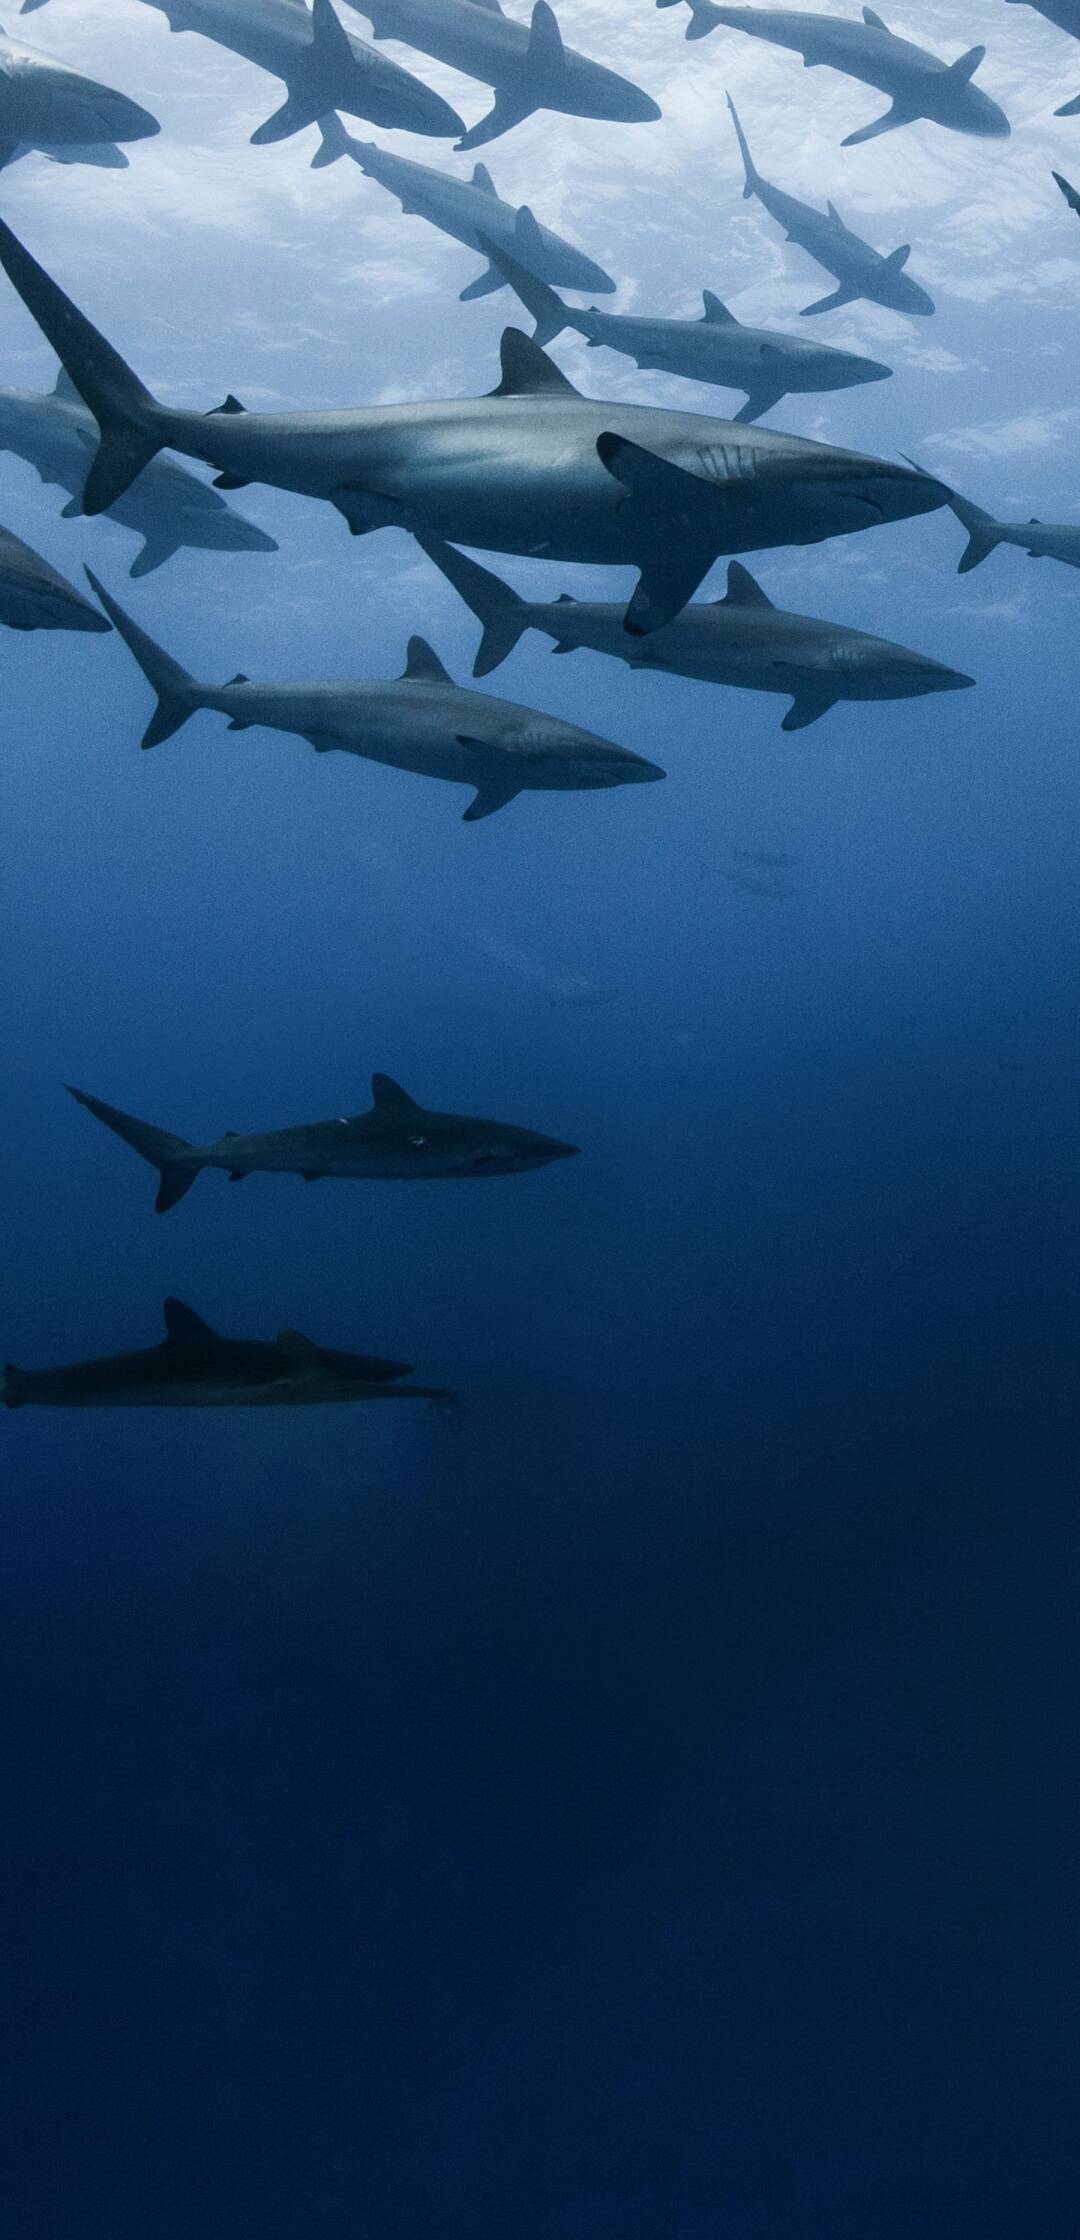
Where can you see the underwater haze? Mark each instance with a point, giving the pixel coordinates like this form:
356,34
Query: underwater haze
636,1801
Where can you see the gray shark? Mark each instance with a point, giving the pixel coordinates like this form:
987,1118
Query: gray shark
321,65
859,269
467,211
917,82
166,506
397,1141
741,639
34,597
532,468
194,1367
1041,540
1065,14
527,64
421,721
714,348
46,103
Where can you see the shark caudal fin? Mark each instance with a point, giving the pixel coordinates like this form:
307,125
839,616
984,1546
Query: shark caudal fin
984,533
178,694
503,613
548,309
334,141
753,175
171,1155
129,419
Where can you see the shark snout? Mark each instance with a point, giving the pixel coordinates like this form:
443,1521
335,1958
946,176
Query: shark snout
857,371
101,114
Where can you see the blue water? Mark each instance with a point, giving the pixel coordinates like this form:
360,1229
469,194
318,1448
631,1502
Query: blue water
640,1803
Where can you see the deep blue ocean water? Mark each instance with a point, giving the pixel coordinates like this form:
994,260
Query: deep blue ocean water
640,1803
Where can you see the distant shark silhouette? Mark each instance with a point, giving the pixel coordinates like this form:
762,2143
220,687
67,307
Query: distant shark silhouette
397,1141
526,63
194,1367
858,269
917,82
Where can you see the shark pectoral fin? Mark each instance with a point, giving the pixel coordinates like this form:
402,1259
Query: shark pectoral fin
809,704
678,512
182,1322
485,284
668,580
367,510
888,123
73,509
839,297
508,109
495,785
294,115
153,553
758,402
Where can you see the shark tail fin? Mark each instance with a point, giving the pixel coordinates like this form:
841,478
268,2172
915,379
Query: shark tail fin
171,1155
542,303
334,141
179,695
129,419
750,185
984,533
503,613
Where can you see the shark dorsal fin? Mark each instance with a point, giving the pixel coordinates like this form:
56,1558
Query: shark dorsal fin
834,213
743,590
527,371
423,663
64,387
231,404
716,312
482,178
898,257
871,17
527,234
566,599
297,1347
239,679
966,65
182,1322
545,53
389,1096
1034,522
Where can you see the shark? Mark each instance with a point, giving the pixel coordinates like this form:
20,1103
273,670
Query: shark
34,597
195,1367
1065,15
1041,540
322,66
741,639
527,65
397,1141
166,506
47,104
918,83
533,467
858,269
421,721
470,211
714,348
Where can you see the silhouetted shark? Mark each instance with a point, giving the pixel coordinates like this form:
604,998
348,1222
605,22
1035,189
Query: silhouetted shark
194,1367
397,1141
859,269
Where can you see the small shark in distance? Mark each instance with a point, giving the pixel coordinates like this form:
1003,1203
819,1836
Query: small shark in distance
918,83
421,721
34,597
467,211
527,65
48,105
858,269
167,506
714,348
194,1367
533,467
741,639
397,1141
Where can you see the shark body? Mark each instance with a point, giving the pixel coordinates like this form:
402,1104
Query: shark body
34,597
46,104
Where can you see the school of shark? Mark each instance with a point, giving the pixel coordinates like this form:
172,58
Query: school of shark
532,468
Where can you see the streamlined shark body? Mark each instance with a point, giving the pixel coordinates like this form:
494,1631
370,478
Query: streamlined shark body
397,1141
322,66
470,211
714,348
46,104
166,506
858,269
34,597
194,1367
421,722
741,640
526,63
918,83
532,468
